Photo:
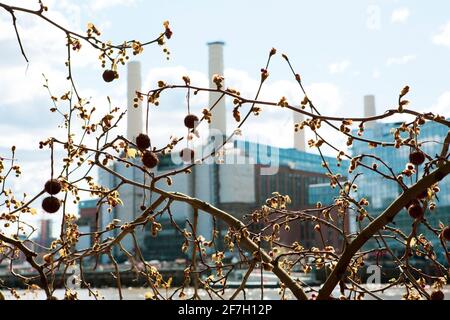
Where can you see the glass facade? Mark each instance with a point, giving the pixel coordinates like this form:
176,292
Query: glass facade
292,158
322,193
381,192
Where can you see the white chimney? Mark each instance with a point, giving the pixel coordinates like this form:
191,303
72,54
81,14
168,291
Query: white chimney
218,122
299,137
135,116
369,109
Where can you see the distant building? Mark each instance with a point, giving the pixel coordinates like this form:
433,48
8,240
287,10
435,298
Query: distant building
45,237
88,222
381,192
250,174
236,188
87,210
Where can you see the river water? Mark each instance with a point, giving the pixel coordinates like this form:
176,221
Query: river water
139,294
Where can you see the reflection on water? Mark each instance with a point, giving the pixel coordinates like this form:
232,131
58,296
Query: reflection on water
139,294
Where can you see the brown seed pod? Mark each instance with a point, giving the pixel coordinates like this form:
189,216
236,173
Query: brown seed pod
417,158
53,187
51,205
150,159
109,75
143,141
187,155
437,295
415,210
190,121
446,233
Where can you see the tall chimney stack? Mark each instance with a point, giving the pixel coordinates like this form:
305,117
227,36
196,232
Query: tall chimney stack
369,109
135,123
299,137
218,122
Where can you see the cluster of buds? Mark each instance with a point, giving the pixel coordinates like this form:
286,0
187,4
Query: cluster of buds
92,30
350,141
75,43
403,103
314,124
283,102
299,126
139,97
345,126
207,115
218,257
218,81
256,111
237,114
315,143
168,32
137,48
155,228
154,98
264,75
278,201
410,170
114,199
334,179
361,129
304,102
364,202
339,158
187,80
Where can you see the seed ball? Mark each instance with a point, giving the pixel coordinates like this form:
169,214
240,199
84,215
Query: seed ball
109,75
437,295
53,187
417,158
190,121
51,204
150,159
143,141
415,210
187,155
446,233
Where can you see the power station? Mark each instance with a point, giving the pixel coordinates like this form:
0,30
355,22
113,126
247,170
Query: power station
249,174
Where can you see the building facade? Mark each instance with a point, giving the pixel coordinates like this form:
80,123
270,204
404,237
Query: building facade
381,192
239,186
240,183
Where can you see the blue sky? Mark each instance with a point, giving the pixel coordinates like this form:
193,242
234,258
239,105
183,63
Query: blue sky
342,49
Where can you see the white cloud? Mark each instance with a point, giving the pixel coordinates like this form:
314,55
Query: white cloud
19,85
376,74
339,67
373,17
401,60
400,15
442,38
442,106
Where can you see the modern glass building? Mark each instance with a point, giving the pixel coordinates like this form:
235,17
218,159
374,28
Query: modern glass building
381,192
